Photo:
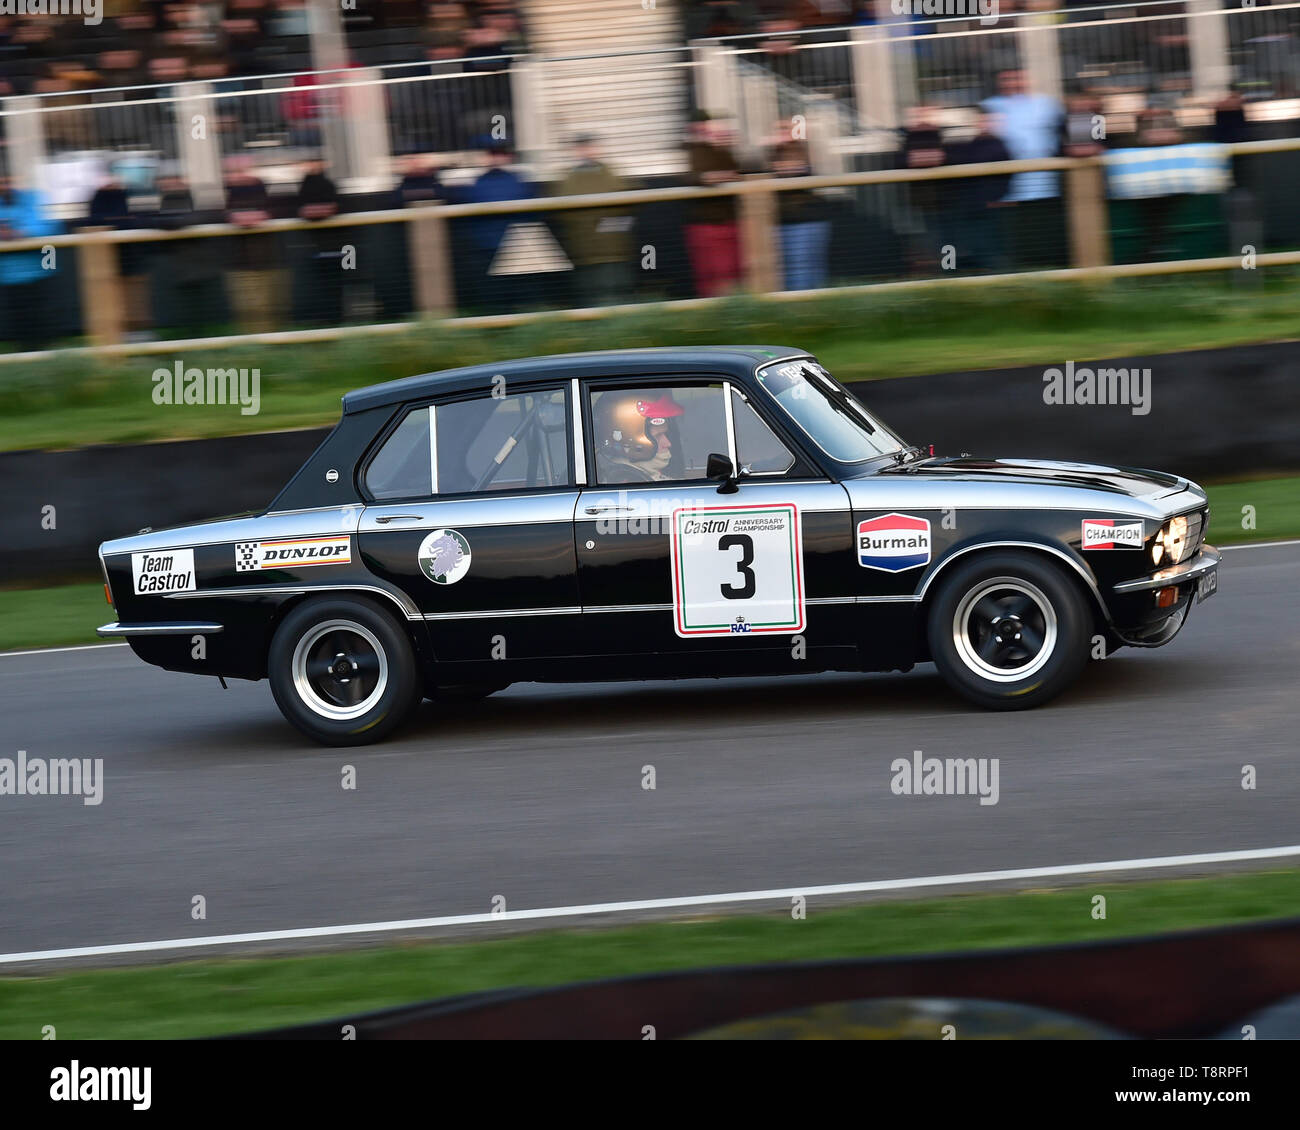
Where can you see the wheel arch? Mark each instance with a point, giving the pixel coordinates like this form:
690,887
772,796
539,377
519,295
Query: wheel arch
1055,554
392,604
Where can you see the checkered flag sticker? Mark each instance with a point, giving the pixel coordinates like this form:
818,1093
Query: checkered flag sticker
245,556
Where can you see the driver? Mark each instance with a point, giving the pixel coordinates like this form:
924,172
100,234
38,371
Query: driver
635,439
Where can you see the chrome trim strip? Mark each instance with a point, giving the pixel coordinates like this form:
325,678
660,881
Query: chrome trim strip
886,599
261,527
730,415
628,608
498,613
579,446
526,508
1075,565
433,450
400,599
168,628
1208,558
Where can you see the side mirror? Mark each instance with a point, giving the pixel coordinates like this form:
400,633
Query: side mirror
719,470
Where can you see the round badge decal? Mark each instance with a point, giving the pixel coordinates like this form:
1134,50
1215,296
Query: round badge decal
444,556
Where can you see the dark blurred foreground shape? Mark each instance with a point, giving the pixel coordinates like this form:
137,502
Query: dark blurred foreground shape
1227,982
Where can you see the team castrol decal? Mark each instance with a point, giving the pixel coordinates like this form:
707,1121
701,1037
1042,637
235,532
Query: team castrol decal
1106,533
737,570
292,553
156,574
444,556
894,543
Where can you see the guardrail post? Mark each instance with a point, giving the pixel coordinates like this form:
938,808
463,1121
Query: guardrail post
715,79
26,141
1207,37
528,131
875,91
759,251
429,247
1085,197
366,120
200,157
1040,49
103,300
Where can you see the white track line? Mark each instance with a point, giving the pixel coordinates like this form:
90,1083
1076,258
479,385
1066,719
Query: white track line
52,650
1259,544
658,904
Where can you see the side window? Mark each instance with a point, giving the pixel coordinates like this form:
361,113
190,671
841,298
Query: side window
758,451
503,443
485,444
401,468
657,433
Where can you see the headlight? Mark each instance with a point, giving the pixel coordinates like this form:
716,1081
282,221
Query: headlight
1171,542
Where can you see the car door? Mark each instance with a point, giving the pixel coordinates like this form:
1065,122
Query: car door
471,514
667,565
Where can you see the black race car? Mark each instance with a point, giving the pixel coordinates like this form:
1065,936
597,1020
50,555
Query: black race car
654,513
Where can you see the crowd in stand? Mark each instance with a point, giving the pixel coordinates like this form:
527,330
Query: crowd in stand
167,41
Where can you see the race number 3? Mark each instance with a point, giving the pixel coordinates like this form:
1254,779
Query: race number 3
737,570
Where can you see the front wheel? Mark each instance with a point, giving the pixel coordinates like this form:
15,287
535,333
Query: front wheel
1009,630
342,671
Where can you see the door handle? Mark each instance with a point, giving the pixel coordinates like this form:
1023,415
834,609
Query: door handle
384,519
607,509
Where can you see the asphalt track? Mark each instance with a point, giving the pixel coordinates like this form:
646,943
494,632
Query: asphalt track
536,794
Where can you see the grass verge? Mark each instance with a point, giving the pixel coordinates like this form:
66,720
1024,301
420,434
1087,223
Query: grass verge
70,401
69,614
199,998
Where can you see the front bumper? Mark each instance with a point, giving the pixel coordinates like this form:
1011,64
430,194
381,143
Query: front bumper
1140,620
1207,559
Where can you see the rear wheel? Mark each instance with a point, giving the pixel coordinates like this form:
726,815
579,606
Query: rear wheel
1009,630
342,671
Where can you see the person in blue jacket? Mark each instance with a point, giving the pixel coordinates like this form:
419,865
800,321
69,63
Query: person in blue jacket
486,233
25,275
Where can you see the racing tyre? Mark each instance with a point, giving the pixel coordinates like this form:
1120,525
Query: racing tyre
342,671
1009,631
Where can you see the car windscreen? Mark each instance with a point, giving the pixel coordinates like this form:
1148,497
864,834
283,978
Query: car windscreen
825,410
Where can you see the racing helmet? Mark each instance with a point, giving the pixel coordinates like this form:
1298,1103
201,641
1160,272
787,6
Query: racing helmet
623,422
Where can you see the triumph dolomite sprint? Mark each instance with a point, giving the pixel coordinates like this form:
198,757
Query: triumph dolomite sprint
655,513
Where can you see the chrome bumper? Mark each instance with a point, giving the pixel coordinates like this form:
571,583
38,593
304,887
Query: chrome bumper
1208,558
167,628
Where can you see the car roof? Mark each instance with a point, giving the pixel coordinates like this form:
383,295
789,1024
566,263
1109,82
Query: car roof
738,360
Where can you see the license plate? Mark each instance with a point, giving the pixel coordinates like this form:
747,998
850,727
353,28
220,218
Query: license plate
1207,585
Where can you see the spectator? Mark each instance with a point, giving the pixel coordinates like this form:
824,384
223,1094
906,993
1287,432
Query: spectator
24,280
253,279
922,148
805,232
318,293
110,207
1157,127
978,235
498,289
598,240
1031,126
185,274
419,183
1082,135
712,235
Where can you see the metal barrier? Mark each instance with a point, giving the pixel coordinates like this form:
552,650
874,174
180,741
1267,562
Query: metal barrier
512,259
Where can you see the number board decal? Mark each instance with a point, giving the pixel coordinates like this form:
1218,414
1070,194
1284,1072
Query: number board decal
737,570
